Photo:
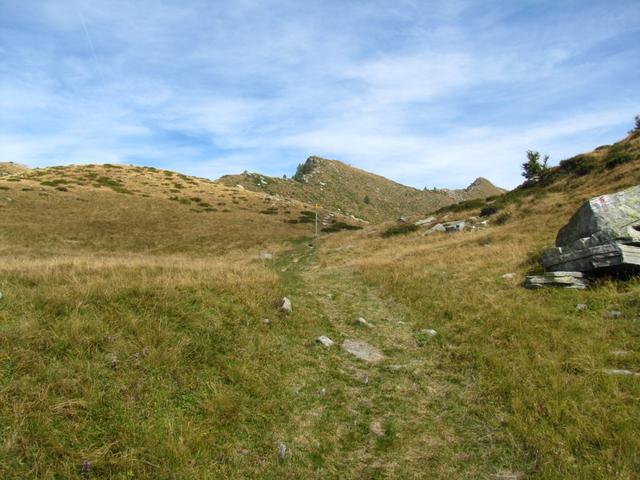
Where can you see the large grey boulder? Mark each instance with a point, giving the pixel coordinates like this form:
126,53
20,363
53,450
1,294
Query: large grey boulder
602,236
616,215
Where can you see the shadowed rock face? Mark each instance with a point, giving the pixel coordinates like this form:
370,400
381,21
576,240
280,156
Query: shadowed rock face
616,215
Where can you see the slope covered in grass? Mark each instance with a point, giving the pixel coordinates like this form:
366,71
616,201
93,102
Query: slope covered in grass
351,191
159,362
118,208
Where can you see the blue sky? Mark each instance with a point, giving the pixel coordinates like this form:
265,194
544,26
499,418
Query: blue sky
428,93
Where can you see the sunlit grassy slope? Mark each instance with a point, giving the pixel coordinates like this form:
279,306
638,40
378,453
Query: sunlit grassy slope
351,191
154,360
118,208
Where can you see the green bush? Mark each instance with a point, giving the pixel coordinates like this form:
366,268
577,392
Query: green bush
466,205
579,165
617,156
400,230
338,226
488,211
303,169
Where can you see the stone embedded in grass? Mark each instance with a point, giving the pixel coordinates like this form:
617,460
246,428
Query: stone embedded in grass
362,350
581,307
429,331
285,305
265,256
507,476
282,450
439,228
618,353
614,314
509,276
324,340
266,321
570,280
621,372
363,322
376,428
425,221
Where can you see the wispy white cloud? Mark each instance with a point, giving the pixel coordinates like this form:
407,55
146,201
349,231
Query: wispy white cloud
426,94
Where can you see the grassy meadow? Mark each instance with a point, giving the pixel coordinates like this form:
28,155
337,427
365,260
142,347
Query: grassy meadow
140,337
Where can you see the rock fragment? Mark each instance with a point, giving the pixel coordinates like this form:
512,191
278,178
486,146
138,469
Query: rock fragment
376,428
439,228
324,340
621,372
285,305
425,221
570,280
363,322
363,351
282,451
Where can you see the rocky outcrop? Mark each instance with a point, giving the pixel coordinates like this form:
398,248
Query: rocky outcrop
603,236
614,217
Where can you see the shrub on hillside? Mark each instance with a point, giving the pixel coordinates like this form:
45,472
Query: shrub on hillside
338,226
503,218
618,155
303,169
400,230
466,205
488,211
579,165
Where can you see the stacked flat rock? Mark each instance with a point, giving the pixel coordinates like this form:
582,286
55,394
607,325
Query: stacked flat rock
571,280
602,236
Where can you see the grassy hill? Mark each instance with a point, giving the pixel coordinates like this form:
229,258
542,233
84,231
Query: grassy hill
10,168
140,347
351,191
118,208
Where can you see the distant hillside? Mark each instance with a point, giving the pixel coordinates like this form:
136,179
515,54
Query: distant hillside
351,191
140,209
11,168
